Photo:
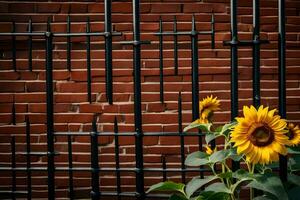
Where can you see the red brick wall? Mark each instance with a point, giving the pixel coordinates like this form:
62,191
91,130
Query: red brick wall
73,112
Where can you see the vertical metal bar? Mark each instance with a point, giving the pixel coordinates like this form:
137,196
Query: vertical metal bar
137,101
234,66
28,164
195,79
30,45
13,117
175,46
88,60
161,62
118,175
281,76
234,60
213,30
108,51
69,44
182,154
13,166
164,167
14,48
256,53
213,142
70,161
50,122
95,193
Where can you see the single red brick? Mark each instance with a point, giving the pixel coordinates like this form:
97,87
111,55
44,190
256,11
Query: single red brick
96,8
78,8
48,7
9,75
21,7
30,98
12,87
90,108
166,8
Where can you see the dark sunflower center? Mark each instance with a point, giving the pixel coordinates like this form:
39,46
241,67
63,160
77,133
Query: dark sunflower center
291,135
262,136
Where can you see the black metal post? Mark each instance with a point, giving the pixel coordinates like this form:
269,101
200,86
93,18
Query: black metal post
161,63
213,30
28,164
281,77
30,45
50,122
88,60
70,162
256,53
234,66
195,74
182,153
175,46
14,48
117,158
69,44
234,60
95,193
164,167
137,101
13,166
13,117
108,51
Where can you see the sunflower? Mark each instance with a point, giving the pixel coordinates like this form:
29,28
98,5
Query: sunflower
207,106
260,135
293,134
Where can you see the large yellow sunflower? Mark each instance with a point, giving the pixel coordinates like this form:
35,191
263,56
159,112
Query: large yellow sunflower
207,106
260,135
293,134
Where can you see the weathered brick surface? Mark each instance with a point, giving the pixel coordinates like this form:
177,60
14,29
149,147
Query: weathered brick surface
26,89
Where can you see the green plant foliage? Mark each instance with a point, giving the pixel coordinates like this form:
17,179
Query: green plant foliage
226,184
196,159
203,127
218,188
269,183
196,183
294,193
168,186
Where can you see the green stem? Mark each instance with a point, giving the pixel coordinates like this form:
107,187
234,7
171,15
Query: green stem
251,168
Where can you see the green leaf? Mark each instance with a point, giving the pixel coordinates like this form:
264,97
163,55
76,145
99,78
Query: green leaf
225,175
239,182
218,156
294,179
227,128
209,137
203,127
241,174
196,183
234,156
196,159
293,150
177,197
294,162
264,197
209,195
269,183
219,129
218,187
167,186
294,193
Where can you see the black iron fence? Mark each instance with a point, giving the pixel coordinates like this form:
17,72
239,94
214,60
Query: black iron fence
139,169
